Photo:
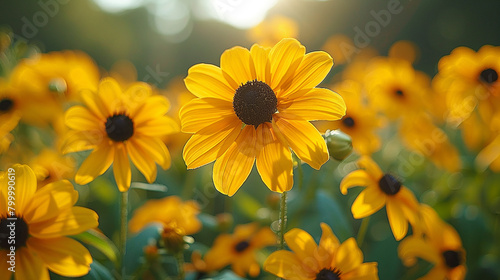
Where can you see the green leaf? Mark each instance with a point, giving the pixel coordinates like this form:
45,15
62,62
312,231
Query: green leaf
99,241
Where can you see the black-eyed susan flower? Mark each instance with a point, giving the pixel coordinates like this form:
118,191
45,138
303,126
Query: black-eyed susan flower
440,245
117,125
328,260
43,219
239,249
381,189
50,166
167,211
254,108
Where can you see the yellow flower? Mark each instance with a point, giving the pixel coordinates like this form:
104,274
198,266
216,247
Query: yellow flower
340,47
404,50
328,260
43,218
239,249
440,245
395,88
420,135
167,211
255,107
272,30
50,166
118,125
381,189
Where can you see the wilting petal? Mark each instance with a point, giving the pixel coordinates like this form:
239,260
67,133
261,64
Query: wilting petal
205,80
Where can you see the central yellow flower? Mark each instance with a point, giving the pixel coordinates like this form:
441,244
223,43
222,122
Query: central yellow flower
255,107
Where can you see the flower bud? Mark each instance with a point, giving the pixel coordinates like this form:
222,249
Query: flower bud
173,239
338,143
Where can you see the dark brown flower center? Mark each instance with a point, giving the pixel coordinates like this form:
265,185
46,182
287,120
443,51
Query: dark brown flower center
241,246
452,259
6,104
488,76
119,127
13,233
255,103
399,92
389,185
328,274
348,121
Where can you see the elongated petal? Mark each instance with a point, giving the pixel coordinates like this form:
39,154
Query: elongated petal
121,169
158,127
220,253
285,58
25,186
261,62
304,247
397,220
76,141
4,265
264,237
348,256
234,166
63,255
203,112
155,148
365,271
286,265
142,160
371,167
109,93
413,247
357,178
369,201
70,222
328,244
95,165
317,104
304,139
30,266
205,80
312,70
206,146
238,64
94,104
152,108
81,119
274,160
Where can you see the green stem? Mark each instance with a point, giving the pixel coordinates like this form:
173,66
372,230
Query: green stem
282,221
362,231
180,265
123,230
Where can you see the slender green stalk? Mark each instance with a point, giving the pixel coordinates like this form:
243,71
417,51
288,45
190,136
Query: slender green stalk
282,221
362,231
123,230
180,265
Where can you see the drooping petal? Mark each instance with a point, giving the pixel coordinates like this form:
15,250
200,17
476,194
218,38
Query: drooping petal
304,247
142,160
205,80
285,57
397,220
204,112
234,166
95,164
25,186
370,166
413,247
238,65
121,169
62,255
369,201
81,119
328,244
274,160
348,256
317,104
304,139
30,266
357,178
70,222
287,265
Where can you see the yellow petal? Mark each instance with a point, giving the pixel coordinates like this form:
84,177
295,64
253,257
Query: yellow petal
285,58
63,255
261,62
80,118
205,80
25,186
4,265
317,104
94,104
234,166
370,166
30,265
238,64
200,113
397,220
286,265
121,169
348,256
70,222
304,139
264,237
110,93
95,165
155,148
369,201
274,160
76,141
206,146
151,108
413,247
365,271
328,244
304,247
50,201
142,160
357,178
220,254
438,272
158,127
312,70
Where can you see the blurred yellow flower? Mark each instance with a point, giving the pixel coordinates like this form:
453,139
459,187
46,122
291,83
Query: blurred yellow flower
440,245
239,249
255,107
272,30
381,189
404,50
43,219
341,48
168,211
329,260
117,125
49,166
